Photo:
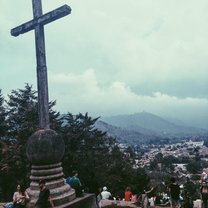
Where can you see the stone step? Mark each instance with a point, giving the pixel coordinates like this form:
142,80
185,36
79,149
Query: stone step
46,177
54,192
40,167
45,172
64,198
61,190
51,184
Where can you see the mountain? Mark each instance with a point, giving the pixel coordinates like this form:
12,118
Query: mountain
145,126
121,134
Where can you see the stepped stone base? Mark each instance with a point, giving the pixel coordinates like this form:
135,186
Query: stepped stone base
61,192
45,149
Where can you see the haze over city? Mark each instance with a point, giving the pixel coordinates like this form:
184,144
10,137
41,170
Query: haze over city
114,57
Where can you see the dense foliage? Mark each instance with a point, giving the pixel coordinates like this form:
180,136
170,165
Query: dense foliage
87,150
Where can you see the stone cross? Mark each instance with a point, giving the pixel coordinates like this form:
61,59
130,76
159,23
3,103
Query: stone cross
37,23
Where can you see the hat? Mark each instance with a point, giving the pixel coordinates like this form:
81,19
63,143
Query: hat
105,188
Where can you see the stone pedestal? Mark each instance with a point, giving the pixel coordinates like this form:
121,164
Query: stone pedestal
45,149
86,201
61,192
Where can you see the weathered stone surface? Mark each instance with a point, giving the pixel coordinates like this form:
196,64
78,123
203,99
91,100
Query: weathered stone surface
118,204
44,147
61,192
87,201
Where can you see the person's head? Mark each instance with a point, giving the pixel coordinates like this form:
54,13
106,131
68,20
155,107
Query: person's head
42,184
146,188
18,187
173,180
75,173
128,188
105,188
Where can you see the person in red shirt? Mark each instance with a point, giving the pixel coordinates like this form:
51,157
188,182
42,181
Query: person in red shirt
128,194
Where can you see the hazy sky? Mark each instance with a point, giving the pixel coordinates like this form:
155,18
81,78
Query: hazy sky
113,57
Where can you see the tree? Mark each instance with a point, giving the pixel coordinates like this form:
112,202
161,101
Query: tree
22,114
120,173
194,166
12,167
83,142
90,150
3,123
22,119
4,150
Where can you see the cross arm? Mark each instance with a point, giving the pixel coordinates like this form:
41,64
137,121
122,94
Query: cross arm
42,20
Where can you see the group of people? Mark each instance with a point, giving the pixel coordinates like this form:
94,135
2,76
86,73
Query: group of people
173,200
187,203
21,197
104,194
144,200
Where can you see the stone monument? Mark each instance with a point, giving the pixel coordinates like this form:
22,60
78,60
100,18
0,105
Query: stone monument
45,148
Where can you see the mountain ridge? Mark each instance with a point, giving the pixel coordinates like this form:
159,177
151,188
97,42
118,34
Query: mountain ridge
146,126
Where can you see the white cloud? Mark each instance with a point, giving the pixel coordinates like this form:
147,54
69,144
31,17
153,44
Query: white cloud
82,93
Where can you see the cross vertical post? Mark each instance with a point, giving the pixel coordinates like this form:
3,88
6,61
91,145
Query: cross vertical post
42,81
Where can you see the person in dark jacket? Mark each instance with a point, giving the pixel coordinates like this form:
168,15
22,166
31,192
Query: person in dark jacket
44,199
174,190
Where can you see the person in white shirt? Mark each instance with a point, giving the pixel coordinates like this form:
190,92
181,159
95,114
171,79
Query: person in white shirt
20,197
105,193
